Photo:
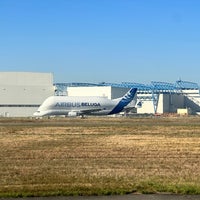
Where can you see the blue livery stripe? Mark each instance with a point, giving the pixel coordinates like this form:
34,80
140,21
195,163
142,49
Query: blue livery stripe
126,99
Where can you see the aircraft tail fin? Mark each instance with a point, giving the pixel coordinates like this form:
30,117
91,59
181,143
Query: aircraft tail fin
125,100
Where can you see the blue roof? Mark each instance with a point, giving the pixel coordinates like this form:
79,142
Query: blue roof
155,86
187,85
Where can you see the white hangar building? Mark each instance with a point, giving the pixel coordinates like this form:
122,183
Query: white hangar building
105,91
21,93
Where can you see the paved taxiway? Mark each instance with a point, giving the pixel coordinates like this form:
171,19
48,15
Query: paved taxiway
117,197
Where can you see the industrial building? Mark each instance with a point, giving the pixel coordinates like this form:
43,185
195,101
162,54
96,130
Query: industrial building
157,97
23,92
105,91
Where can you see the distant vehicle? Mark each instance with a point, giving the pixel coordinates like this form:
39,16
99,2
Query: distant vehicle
80,106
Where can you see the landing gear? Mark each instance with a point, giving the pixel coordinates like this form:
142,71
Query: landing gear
82,116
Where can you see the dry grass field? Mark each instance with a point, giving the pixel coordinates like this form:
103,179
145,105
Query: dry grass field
72,156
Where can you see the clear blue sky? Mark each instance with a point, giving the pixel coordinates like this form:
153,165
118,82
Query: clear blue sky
102,40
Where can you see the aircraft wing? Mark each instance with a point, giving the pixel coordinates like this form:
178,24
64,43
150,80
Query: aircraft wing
89,111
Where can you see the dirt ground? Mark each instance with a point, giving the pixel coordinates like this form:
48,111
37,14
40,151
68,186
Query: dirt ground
67,156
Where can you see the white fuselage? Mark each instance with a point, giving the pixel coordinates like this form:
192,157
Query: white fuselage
68,105
73,106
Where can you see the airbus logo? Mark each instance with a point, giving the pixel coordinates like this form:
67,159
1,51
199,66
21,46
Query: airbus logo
77,104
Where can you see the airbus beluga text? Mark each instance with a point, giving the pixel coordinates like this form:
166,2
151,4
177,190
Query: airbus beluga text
79,106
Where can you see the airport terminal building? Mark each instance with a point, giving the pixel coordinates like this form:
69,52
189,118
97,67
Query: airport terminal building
23,92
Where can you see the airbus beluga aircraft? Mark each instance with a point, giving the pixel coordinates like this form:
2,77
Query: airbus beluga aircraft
80,106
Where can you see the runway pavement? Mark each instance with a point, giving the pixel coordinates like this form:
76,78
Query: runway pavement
117,197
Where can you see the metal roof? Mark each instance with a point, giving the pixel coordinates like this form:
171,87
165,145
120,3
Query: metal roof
154,87
187,85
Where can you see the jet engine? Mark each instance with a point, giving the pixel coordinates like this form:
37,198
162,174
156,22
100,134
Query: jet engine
72,114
